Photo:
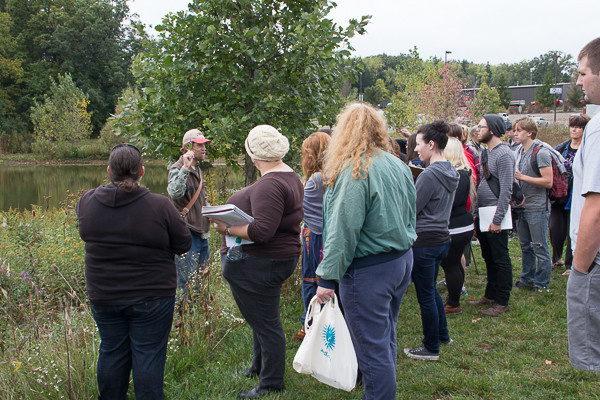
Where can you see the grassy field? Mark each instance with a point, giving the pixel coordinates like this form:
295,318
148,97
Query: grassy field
48,340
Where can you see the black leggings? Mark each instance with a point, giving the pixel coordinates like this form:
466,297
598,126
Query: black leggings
559,231
455,274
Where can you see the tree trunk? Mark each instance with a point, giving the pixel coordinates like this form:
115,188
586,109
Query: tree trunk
250,170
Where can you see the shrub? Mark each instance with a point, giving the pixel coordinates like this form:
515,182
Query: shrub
62,117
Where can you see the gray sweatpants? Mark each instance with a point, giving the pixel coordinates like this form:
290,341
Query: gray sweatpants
583,319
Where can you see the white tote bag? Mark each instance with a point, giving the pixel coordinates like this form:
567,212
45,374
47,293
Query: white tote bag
327,352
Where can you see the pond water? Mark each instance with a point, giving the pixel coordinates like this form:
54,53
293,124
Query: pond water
49,185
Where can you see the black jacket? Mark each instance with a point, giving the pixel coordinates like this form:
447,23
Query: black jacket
130,242
459,216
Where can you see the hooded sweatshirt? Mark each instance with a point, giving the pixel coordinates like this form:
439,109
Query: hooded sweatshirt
435,194
130,242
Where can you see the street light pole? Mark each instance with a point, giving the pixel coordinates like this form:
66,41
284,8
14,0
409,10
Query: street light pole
446,56
531,75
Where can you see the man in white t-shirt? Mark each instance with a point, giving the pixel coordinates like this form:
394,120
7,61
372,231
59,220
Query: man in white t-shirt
583,288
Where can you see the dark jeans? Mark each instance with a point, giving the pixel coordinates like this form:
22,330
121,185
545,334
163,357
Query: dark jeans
559,232
424,274
494,249
452,266
372,297
312,247
134,338
255,283
194,260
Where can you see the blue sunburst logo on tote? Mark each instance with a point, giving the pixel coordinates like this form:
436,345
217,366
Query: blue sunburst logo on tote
329,337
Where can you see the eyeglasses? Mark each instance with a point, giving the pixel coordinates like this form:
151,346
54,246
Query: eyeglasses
480,127
125,145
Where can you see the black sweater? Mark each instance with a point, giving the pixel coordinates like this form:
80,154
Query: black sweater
130,242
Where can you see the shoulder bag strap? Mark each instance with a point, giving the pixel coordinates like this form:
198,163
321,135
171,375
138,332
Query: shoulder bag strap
189,205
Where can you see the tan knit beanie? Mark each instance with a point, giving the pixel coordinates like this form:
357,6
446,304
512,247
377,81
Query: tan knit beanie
265,143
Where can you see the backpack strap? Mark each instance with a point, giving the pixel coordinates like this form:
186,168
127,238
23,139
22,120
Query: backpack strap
493,182
533,162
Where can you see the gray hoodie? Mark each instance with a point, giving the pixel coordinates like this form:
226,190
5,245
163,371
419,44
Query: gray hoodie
435,194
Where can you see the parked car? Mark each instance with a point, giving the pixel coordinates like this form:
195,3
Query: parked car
541,121
507,122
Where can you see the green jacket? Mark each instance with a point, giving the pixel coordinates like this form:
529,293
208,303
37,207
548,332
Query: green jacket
368,216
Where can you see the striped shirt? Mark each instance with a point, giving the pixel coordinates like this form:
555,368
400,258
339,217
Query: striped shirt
501,164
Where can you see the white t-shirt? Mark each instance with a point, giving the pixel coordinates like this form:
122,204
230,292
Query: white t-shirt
586,175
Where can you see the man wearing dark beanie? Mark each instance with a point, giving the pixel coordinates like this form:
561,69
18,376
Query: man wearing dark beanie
497,161
495,124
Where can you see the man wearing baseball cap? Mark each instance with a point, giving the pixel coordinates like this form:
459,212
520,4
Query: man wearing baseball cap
185,179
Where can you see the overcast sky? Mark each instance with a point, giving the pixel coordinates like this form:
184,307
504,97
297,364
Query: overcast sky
476,30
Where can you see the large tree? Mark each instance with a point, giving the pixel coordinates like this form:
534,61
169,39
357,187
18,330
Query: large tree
226,66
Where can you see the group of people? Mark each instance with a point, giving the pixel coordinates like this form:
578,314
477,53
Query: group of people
366,226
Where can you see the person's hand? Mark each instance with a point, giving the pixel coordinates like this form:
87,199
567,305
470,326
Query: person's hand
324,294
518,174
188,159
494,228
218,225
404,132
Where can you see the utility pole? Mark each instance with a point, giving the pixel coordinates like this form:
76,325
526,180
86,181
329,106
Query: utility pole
360,92
555,77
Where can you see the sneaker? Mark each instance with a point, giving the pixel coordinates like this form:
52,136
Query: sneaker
540,290
452,310
446,342
481,302
421,353
494,311
521,285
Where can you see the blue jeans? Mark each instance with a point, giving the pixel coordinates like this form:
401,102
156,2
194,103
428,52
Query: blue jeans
312,245
424,275
193,260
133,337
371,297
533,237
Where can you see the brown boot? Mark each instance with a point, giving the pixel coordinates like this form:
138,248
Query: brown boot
481,302
494,311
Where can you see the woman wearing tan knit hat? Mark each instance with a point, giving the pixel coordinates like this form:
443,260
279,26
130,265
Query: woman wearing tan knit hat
275,202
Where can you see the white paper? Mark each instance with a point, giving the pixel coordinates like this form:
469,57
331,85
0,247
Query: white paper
230,241
486,216
227,213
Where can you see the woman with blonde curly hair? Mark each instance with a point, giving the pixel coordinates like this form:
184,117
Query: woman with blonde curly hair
368,230
313,150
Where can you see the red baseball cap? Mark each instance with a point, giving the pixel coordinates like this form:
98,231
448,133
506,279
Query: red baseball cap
194,135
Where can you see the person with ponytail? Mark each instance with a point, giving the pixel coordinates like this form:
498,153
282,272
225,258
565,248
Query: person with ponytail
131,237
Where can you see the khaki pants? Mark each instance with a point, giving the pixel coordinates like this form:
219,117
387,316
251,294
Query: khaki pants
583,319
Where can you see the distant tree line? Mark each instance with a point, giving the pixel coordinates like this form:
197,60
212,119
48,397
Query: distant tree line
381,74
